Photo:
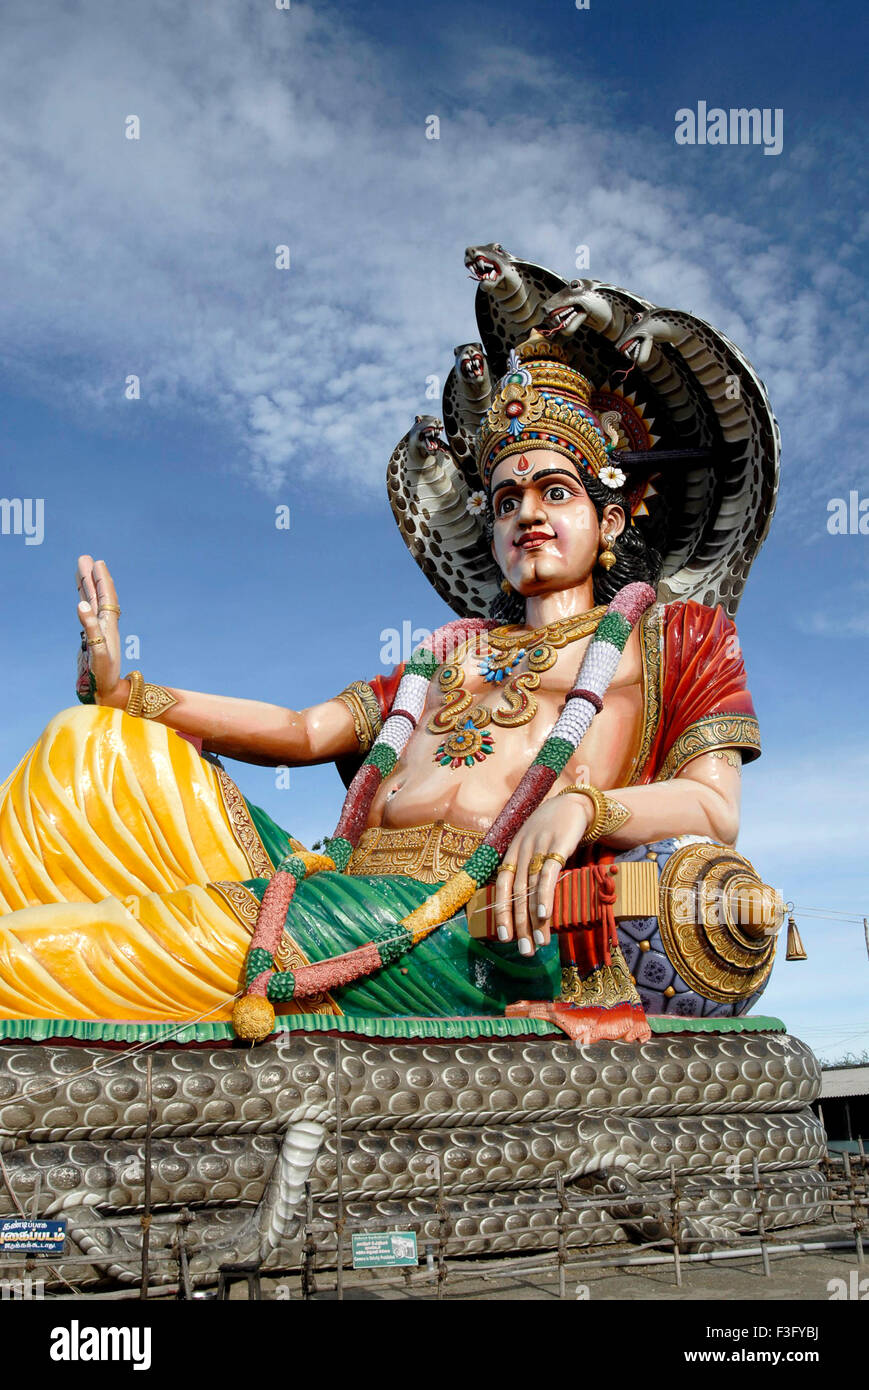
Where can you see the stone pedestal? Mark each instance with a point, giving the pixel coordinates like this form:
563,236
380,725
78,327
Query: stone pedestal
490,1122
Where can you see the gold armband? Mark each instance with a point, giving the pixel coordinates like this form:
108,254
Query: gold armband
363,705
609,814
147,701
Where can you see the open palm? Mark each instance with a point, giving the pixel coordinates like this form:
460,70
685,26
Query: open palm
98,613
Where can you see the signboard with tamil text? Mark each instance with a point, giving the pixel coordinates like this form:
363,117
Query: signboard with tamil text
25,1236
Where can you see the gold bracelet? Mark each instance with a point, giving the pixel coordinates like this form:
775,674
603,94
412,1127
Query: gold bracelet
362,704
147,701
609,814
137,692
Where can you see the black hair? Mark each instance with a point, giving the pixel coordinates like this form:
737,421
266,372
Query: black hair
636,556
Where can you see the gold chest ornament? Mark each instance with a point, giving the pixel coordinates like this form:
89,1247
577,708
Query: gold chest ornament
462,720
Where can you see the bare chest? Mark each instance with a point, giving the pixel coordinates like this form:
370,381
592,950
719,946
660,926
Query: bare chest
476,736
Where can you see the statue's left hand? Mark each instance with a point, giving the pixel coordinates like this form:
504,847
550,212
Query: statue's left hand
524,900
98,614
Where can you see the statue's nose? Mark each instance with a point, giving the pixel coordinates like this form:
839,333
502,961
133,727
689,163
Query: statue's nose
530,506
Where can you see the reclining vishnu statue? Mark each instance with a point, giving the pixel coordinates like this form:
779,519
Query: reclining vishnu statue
543,800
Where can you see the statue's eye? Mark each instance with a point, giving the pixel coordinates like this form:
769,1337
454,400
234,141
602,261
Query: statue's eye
505,505
557,493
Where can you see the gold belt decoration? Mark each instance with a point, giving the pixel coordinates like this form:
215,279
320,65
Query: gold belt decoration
430,853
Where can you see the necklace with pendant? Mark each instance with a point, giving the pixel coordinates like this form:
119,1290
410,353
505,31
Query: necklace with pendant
496,668
462,720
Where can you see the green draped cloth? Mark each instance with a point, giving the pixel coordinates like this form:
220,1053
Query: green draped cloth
450,973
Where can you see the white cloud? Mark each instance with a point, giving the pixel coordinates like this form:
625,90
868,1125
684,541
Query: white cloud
824,624
848,617
813,810
262,127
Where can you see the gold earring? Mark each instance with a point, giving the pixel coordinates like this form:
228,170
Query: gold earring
607,557
506,586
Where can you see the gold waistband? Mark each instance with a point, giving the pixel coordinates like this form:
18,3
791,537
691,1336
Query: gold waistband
430,853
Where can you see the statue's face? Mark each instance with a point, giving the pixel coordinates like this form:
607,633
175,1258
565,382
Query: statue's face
547,532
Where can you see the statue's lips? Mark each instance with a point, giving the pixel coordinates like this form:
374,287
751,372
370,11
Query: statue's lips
631,348
532,540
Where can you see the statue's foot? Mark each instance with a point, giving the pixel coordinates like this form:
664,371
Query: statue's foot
584,1024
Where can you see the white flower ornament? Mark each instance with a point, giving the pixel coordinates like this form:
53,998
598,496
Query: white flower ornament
611,476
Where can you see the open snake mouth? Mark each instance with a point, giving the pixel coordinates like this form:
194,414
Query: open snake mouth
430,440
558,319
482,268
632,348
472,368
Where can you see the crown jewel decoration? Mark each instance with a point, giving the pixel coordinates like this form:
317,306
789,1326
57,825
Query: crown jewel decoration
633,394
541,400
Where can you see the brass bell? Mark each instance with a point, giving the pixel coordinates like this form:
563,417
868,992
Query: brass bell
796,950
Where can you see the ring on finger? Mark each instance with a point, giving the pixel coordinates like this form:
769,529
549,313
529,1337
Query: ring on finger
109,608
537,862
97,642
554,855
507,869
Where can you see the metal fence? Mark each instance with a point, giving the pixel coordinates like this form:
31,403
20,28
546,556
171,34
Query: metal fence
846,1200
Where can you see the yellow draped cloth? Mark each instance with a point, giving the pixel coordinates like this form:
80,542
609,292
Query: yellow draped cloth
120,855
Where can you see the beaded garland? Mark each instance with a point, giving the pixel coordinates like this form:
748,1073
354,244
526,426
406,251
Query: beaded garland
253,1016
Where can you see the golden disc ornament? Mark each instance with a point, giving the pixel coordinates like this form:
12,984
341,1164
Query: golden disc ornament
718,921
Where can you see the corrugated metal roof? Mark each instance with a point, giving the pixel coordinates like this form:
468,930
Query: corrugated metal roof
845,1081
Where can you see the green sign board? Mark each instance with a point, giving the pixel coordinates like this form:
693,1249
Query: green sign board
375,1248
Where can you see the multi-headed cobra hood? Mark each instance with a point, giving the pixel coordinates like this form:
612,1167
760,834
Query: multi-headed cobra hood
687,420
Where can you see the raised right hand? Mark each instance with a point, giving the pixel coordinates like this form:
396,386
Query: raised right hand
98,613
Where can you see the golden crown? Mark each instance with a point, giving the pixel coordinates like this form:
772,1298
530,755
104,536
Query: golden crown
542,403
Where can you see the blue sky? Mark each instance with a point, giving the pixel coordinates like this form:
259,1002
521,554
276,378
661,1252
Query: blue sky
260,387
